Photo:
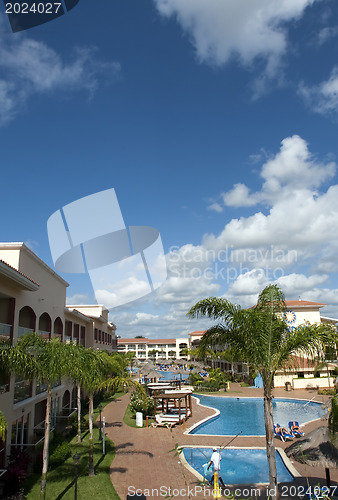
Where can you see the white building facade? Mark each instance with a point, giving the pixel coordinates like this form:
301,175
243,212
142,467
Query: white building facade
33,298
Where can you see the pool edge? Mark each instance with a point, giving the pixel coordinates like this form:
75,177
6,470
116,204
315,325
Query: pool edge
292,470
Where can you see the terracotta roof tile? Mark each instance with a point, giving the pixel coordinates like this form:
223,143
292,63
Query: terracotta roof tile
19,272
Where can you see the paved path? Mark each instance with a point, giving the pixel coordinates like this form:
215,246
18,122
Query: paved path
143,461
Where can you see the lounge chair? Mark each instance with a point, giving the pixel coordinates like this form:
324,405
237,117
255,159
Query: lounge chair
159,422
283,436
296,432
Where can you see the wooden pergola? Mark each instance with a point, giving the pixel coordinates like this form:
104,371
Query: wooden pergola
178,398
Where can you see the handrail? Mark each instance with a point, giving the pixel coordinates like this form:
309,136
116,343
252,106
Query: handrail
309,401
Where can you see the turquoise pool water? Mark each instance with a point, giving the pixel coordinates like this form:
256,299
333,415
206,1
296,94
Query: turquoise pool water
247,415
242,466
171,375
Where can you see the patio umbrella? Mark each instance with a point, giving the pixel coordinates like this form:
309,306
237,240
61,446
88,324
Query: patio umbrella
180,372
152,374
197,364
317,449
146,368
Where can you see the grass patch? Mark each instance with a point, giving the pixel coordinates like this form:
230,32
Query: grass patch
130,420
60,481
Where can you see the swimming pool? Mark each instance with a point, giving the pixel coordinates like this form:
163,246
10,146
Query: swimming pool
172,375
238,466
247,415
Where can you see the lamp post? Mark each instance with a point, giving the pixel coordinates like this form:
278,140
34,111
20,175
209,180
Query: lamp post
100,434
76,459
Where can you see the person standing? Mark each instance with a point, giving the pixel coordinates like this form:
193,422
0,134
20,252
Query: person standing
215,460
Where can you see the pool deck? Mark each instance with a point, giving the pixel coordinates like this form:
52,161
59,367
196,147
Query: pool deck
144,463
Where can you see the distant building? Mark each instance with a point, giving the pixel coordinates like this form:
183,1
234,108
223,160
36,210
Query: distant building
154,348
33,298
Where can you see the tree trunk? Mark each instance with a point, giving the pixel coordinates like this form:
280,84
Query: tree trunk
78,414
45,456
270,445
91,471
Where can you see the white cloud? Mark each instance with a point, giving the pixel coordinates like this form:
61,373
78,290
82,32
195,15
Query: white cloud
246,30
327,33
239,196
298,213
28,67
216,207
292,243
78,299
322,98
295,284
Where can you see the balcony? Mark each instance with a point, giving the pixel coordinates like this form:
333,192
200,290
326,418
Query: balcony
5,330
4,388
22,390
22,330
56,384
40,388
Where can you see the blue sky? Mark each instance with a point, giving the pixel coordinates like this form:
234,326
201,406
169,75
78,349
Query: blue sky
216,123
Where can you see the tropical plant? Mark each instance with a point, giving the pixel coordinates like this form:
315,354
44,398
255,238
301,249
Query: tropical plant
140,402
3,426
17,470
230,356
49,366
130,360
152,353
93,371
261,336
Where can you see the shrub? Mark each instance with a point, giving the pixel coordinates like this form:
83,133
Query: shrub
140,402
327,392
60,454
73,423
16,470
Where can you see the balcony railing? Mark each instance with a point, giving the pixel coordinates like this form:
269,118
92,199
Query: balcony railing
22,390
5,330
22,330
56,384
45,335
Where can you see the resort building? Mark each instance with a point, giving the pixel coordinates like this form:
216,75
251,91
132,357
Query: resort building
33,298
154,348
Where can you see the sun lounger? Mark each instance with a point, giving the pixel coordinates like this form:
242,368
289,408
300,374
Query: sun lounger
159,422
296,432
283,436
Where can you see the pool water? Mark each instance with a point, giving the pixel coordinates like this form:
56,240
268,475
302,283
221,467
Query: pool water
240,466
171,375
247,415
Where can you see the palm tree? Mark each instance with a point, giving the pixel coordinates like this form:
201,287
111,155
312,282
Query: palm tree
130,357
49,366
261,337
92,369
96,370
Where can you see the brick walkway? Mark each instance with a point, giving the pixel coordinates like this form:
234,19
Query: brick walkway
143,460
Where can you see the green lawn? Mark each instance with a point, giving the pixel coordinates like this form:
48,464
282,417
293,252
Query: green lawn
60,481
130,420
